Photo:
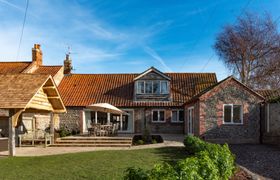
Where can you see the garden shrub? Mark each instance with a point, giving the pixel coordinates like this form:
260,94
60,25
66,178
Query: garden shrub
64,132
194,144
154,141
163,171
135,174
140,142
219,154
209,161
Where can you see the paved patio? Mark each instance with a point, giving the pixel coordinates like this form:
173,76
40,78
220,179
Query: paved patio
169,141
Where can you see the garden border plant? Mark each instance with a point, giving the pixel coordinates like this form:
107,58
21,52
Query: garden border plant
207,161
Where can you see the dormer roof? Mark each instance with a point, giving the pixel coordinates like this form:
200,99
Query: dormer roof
152,69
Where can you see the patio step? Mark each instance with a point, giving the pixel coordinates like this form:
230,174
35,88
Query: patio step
90,145
99,141
93,142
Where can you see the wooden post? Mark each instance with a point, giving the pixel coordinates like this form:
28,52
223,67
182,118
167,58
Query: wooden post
12,143
108,118
52,127
95,117
13,120
121,122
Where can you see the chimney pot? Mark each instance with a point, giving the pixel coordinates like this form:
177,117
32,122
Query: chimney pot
37,55
67,65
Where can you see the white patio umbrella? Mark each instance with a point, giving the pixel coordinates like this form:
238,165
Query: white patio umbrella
107,108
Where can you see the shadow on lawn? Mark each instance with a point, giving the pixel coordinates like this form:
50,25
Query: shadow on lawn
172,154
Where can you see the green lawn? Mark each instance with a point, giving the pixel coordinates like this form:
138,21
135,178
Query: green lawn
88,165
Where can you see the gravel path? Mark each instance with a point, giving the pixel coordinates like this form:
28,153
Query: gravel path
263,160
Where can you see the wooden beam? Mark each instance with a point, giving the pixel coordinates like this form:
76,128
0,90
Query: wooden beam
49,87
13,120
53,97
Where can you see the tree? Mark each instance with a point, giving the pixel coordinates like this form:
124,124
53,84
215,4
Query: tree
251,50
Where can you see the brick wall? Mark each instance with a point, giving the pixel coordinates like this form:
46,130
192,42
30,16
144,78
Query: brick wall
166,127
211,114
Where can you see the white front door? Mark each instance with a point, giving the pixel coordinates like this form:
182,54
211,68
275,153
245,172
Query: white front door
190,120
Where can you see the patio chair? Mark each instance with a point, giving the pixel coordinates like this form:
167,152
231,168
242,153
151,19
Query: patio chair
99,131
115,129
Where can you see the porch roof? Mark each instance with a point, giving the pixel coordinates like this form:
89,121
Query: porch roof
29,91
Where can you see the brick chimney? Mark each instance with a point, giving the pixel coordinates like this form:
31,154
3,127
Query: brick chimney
68,64
37,55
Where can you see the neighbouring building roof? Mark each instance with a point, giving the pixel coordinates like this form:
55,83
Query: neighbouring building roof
13,67
118,89
224,80
51,70
17,91
270,94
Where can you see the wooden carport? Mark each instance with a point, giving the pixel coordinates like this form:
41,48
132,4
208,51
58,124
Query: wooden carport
30,93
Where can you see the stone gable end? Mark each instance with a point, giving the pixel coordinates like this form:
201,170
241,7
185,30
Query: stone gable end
212,127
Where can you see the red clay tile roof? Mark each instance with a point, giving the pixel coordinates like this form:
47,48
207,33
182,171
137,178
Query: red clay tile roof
51,70
117,89
270,95
13,67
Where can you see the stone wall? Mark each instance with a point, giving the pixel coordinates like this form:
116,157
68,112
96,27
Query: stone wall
271,134
72,119
211,114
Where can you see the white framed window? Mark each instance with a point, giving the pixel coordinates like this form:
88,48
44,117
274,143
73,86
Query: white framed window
140,87
232,114
156,87
148,87
158,115
164,87
177,116
152,87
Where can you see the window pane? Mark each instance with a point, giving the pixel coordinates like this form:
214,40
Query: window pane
237,114
174,116
161,115
181,115
155,115
227,113
164,87
140,87
149,87
156,87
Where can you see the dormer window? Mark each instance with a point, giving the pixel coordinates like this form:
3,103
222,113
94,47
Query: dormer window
152,87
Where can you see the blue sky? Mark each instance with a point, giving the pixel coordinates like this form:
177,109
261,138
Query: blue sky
120,36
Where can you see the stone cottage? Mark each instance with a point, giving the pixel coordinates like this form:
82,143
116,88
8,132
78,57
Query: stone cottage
173,103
